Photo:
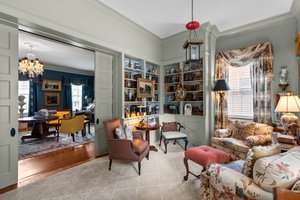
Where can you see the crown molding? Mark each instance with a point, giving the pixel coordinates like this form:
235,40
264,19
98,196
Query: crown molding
68,70
279,19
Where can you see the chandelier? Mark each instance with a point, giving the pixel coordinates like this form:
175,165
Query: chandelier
31,65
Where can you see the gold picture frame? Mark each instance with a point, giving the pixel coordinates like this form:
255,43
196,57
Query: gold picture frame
51,85
145,88
52,98
297,44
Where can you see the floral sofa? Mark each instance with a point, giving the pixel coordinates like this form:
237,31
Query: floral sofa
240,136
224,182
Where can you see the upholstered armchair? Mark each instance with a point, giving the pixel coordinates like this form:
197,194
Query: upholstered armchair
71,126
125,149
61,114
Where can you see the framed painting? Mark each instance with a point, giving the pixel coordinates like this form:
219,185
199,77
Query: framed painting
145,88
52,98
51,85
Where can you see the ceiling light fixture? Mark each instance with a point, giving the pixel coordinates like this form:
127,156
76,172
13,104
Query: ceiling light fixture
31,65
192,44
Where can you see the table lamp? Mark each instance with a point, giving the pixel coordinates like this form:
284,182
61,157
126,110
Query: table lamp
286,105
220,87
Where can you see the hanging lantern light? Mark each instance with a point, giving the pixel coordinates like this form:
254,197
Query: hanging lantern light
192,44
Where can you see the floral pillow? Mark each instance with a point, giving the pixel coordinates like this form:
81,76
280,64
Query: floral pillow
243,129
255,140
296,186
263,129
221,133
256,153
169,126
123,132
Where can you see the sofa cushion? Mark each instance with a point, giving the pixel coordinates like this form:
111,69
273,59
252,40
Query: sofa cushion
255,140
222,133
278,170
169,126
139,146
236,165
263,129
231,143
256,153
243,129
174,135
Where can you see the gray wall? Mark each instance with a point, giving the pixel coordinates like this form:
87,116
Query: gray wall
281,34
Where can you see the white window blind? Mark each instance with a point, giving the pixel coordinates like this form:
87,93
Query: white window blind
76,97
240,95
24,89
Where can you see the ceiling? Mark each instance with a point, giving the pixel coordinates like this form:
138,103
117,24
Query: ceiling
168,17
161,17
55,53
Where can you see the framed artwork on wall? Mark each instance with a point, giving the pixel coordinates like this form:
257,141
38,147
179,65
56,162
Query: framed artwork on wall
145,88
52,98
51,85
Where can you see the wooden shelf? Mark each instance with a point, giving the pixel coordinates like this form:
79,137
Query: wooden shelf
133,70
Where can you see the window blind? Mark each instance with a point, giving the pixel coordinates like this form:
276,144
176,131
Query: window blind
240,95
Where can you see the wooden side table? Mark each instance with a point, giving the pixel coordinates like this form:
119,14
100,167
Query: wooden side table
147,130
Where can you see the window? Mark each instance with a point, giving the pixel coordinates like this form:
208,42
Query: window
240,95
24,89
76,97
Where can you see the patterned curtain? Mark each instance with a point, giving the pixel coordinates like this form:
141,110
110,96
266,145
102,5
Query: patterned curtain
260,58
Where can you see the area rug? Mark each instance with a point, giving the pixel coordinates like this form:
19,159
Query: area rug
33,147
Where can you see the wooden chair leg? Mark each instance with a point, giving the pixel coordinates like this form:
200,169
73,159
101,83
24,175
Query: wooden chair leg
110,162
89,127
160,140
147,156
139,165
174,142
166,143
186,143
185,161
73,137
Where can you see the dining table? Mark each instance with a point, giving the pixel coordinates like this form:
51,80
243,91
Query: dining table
40,128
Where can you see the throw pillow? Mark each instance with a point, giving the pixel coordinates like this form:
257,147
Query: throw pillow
263,129
256,153
296,186
243,129
255,140
169,126
221,133
128,132
119,133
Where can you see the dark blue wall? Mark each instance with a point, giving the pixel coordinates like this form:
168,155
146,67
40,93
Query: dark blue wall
88,87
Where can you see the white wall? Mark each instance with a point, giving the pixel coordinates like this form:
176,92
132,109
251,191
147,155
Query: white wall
281,33
88,20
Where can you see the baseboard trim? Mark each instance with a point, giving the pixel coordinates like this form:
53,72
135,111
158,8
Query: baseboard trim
9,188
101,155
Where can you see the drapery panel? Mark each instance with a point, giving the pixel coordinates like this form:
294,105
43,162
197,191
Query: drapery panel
260,59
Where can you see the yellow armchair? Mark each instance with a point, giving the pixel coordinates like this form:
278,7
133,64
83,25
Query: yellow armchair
71,126
61,114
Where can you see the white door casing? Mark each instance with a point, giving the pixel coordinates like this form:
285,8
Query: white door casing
8,105
103,98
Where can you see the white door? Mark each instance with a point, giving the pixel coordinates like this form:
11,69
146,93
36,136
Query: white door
8,106
103,99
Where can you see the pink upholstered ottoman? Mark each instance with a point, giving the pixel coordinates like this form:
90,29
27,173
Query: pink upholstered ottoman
204,156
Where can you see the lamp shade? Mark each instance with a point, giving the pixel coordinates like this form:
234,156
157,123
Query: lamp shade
221,85
289,103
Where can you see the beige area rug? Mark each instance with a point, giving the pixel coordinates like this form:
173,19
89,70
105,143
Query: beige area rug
161,179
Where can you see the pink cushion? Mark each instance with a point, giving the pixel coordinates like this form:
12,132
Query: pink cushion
205,155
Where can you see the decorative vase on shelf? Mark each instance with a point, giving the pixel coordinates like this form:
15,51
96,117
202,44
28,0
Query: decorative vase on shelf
283,78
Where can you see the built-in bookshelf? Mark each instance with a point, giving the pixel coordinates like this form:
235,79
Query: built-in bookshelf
135,68
192,78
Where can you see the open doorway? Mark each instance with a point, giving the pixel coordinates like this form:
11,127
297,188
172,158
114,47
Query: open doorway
64,91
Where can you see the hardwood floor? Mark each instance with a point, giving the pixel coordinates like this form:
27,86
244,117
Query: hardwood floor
41,166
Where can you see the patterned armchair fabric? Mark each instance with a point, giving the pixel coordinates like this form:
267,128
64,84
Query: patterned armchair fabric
240,136
222,182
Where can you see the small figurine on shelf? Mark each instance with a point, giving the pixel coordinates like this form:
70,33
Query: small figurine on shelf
141,123
283,78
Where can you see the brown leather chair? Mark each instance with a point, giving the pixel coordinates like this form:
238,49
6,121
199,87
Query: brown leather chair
124,149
